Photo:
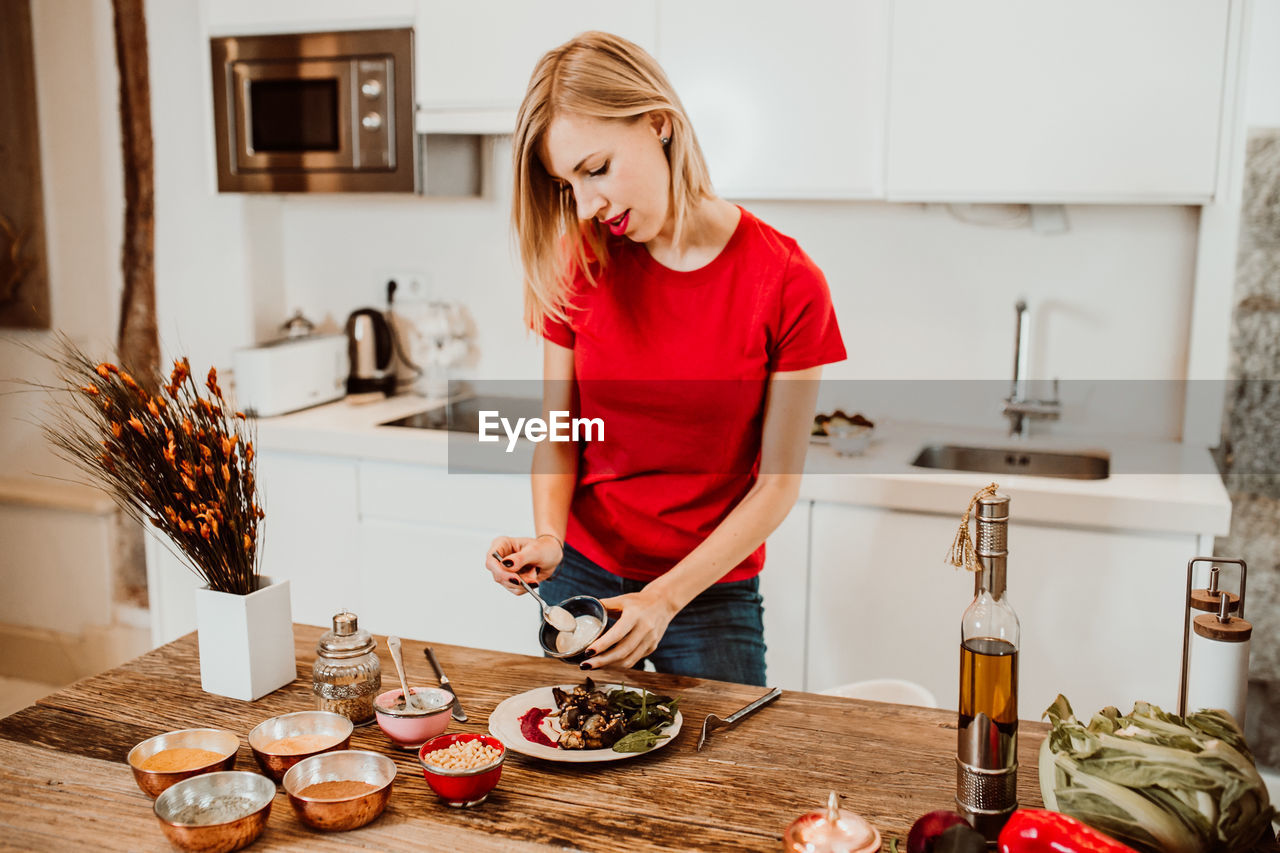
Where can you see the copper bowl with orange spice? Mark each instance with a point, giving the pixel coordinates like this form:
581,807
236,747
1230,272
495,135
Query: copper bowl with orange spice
169,758
281,742
337,791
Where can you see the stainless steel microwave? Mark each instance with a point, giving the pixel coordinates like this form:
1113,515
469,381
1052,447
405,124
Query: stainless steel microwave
315,112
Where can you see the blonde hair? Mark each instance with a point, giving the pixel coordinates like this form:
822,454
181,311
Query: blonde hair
594,75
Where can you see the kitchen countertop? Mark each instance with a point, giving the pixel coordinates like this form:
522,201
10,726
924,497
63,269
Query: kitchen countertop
1192,503
64,781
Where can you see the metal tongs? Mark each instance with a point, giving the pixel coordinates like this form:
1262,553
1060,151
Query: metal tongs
712,722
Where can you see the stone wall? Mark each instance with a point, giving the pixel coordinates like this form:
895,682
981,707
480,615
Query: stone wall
1250,451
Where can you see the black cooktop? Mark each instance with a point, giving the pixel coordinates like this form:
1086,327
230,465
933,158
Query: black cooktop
463,415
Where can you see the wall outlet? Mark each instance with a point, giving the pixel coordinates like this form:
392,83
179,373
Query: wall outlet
412,286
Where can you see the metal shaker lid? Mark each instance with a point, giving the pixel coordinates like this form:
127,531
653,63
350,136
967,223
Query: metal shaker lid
347,639
993,507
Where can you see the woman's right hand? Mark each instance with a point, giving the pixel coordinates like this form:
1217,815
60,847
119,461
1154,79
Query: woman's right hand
534,559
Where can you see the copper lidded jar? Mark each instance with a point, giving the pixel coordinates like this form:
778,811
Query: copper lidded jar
831,830
347,674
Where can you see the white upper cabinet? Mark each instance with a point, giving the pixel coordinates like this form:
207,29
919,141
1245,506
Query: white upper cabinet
264,17
474,58
907,100
787,99
1090,100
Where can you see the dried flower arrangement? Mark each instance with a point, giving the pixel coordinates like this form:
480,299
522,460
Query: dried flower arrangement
175,459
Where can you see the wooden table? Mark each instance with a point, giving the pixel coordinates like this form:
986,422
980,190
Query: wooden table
64,783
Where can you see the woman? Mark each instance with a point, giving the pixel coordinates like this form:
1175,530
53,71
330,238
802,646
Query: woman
694,331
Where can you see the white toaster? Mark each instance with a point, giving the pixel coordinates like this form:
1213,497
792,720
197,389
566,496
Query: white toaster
290,374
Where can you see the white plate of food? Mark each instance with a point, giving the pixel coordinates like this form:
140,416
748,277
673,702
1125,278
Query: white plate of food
848,435
535,723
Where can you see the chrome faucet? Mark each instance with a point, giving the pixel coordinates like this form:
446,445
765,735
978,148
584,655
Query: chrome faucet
1017,406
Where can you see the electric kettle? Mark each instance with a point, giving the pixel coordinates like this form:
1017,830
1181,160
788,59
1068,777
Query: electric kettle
370,350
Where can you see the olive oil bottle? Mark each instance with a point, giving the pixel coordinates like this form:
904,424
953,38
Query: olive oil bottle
987,755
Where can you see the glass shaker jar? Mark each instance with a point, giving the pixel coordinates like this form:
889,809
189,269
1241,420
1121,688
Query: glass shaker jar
347,674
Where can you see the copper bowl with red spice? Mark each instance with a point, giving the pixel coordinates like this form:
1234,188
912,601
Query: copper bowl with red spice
283,741
169,758
337,791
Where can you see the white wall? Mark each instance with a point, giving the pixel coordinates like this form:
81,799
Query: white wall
1262,87
204,287
57,619
76,99
339,252
920,294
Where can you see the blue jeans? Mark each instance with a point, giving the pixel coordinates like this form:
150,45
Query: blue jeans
719,635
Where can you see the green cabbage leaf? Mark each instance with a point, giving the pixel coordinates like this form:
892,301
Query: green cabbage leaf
1156,781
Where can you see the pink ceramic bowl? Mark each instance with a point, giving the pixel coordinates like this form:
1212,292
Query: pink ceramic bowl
462,788
409,729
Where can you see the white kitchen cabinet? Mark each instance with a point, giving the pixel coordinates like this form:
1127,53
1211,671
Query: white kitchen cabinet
1094,100
429,582
788,101
474,59
263,17
784,583
310,532
309,537
1101,610
423,535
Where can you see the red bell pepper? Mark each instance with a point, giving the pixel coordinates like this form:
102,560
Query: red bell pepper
1041,831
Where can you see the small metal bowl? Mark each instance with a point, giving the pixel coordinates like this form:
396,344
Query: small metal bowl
154,782
334,728
579,605
340,814
180,809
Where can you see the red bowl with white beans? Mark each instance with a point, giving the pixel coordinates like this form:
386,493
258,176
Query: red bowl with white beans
462,768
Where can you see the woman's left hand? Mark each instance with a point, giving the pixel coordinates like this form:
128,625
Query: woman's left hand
642,620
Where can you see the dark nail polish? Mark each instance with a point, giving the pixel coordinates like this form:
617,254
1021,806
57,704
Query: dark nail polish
590,653
508,563
584,665
533,586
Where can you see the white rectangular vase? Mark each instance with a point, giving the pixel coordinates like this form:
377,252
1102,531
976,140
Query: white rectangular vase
246,641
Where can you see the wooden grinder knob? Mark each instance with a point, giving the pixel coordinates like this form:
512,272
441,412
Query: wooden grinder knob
1210,602
1231,631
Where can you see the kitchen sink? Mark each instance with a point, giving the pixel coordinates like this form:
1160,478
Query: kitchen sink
1015,460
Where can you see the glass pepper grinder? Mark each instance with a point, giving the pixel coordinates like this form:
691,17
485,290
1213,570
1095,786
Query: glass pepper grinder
347,674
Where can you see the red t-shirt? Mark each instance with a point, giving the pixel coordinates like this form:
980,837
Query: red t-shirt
676,365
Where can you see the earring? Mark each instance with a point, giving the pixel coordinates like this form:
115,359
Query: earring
665,139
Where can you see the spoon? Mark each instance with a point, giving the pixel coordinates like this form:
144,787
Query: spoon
555,615
411,700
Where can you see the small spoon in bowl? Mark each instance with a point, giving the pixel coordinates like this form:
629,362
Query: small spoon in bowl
555,615
412,701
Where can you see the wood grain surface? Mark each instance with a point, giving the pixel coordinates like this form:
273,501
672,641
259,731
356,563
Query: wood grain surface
64,783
